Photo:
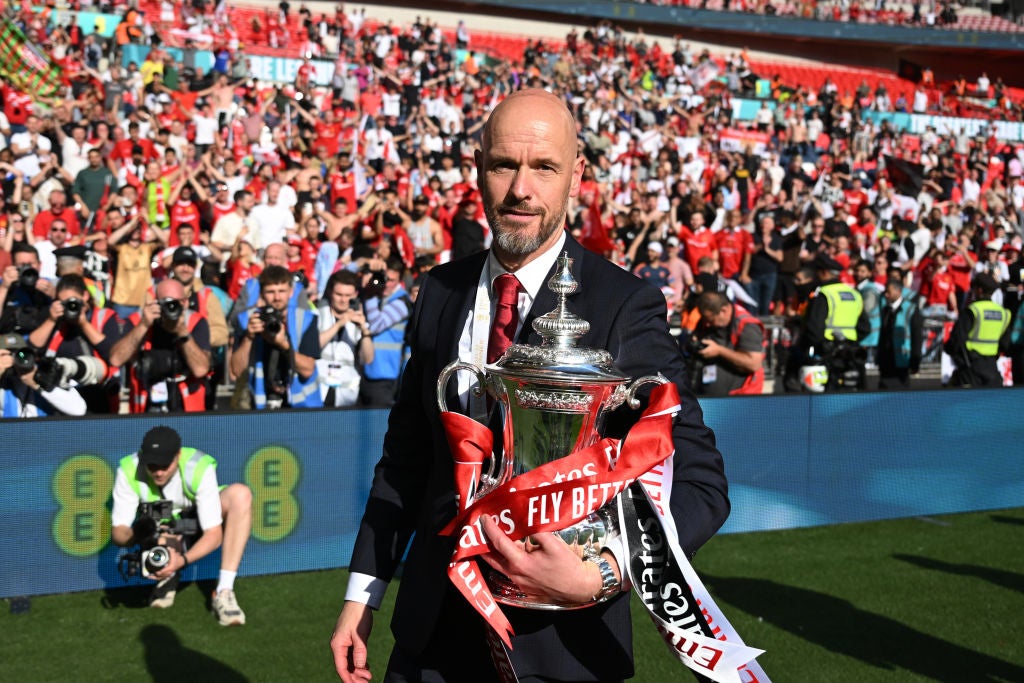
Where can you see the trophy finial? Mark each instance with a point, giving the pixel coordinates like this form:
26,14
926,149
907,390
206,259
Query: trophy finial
561,327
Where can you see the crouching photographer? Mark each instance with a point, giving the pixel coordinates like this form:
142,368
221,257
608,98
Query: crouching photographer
168,502
727,348
29,390
75,330
277,347
166,347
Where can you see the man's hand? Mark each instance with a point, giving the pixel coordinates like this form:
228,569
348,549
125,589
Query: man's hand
150,313
711,349
10,276
56,310
547,566
348,643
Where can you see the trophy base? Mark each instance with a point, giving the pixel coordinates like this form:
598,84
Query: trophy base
588,532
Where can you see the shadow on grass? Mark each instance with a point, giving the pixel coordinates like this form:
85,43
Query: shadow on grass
1004,519
168,661
838,626
998,577
137,596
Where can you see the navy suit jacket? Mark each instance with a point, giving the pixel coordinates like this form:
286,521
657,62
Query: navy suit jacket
413,490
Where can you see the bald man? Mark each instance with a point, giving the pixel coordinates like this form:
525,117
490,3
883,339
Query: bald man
166,347
528,168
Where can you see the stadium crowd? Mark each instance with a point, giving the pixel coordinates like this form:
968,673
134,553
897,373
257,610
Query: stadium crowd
168,230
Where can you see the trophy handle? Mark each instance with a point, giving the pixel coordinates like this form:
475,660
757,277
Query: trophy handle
486,479
631,398
451,369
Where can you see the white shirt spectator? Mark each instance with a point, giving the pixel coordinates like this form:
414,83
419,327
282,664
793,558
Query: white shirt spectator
206,129
76,156
272,221
39,145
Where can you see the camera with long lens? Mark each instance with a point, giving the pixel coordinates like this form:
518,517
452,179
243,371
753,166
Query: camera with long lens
72,309
153,520
54,372
271,318
170,310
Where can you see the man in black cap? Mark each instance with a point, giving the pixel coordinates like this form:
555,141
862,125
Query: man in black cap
163,469
979,336
201,299
71,261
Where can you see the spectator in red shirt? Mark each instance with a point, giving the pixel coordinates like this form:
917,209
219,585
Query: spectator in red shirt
58,211
698,241
939,288
735,246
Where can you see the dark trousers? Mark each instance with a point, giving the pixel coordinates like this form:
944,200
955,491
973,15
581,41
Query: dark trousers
378,393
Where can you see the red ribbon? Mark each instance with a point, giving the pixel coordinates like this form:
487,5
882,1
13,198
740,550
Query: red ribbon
551,497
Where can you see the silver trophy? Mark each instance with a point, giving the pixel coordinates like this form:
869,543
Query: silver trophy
554,398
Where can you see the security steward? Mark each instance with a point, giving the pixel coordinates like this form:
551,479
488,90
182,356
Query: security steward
164,470
730,342
833,323
979,336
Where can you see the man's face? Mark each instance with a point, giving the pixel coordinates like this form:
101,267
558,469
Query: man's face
184,273
95,159
58,232
720,319
394,278
57,202
341,297
247,203
527,171
161,476
862,273
697,221
277,295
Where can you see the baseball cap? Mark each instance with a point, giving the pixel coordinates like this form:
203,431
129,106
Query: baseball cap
12,341
184,255
159,447
655,247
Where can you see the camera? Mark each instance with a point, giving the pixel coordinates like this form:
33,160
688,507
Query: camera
152,520
72,309
27,277
170,309
374,285
271,318
52,372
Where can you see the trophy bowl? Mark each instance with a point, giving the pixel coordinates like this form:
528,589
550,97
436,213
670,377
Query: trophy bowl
553,400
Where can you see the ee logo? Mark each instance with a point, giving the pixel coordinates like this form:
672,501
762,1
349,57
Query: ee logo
83,484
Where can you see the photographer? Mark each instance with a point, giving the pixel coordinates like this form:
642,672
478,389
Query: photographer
730,344
25,296
345,342
387,308
20,394
187,477
76,329
277,347
168,347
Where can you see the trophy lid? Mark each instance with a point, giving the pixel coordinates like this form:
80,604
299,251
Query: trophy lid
558,358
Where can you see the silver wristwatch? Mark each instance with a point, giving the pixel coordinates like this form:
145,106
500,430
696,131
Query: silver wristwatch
609,584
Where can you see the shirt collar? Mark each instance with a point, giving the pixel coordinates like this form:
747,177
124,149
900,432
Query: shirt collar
534,274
